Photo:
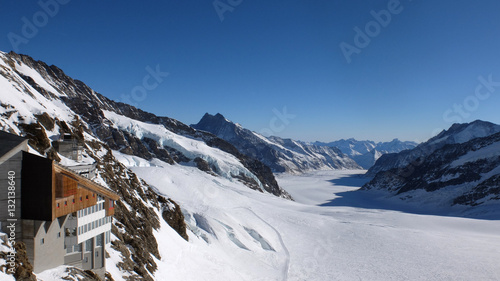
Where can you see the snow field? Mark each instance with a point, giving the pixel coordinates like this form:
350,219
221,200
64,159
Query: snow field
239,234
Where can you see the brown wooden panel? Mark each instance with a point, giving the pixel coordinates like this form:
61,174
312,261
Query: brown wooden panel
65,186
65,206
109,205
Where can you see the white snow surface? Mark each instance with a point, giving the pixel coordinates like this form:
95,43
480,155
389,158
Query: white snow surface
24,99
331,232
35,75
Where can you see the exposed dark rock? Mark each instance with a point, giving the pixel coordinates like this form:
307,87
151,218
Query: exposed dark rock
488,188
37,137
159,152
23,268
248,181
46,121
176,155
81,275
172,214
203,165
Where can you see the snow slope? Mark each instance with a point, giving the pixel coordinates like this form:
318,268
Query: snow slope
239,234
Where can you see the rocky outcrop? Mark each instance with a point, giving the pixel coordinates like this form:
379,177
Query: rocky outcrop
172,214
22,266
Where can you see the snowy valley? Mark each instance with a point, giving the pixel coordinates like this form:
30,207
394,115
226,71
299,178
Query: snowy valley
202,202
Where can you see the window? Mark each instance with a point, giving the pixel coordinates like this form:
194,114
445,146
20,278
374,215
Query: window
59,235
85,228
88,245
98,241
87,197
81,198
65,203
84,212
42,241
93,225
58,205
111,204
73,201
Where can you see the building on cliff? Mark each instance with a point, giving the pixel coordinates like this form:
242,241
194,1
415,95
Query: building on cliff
64,218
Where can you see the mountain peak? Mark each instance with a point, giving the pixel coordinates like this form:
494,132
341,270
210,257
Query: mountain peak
214,118
463,132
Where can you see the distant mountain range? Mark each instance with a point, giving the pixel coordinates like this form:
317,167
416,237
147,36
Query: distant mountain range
281,155
366,152
459,166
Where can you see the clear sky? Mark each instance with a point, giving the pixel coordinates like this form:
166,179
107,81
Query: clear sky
309,70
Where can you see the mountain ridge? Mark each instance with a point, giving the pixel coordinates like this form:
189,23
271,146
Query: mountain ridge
457,133
281,155
366,152
458,167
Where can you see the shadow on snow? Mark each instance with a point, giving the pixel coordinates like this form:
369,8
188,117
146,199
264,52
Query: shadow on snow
380,200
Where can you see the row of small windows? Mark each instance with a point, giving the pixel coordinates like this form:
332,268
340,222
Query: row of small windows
88,244
74,200
92,225
91,210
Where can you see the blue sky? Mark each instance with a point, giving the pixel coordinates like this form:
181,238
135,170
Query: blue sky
278,66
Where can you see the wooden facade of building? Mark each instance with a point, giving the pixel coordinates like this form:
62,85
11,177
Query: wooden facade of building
50,191
63,217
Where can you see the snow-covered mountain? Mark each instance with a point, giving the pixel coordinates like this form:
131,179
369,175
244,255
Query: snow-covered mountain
366,152
460,166
41,103
457,133
186,211
281,155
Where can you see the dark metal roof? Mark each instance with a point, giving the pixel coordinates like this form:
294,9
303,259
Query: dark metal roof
9,142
